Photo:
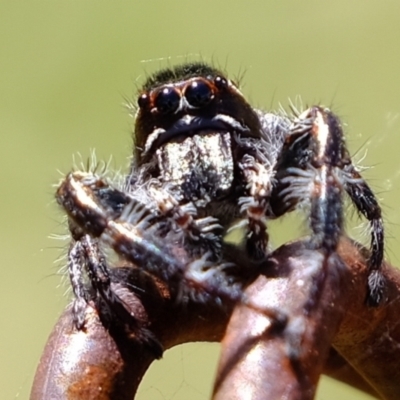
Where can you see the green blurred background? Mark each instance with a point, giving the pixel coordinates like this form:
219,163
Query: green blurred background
65,68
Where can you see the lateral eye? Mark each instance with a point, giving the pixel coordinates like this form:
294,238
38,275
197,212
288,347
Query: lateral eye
220,82
167,100
143,101
199,93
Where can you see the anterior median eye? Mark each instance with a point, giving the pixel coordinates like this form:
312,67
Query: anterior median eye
199,93
167,100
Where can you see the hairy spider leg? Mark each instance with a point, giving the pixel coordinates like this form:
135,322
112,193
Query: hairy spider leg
365,201
134,235
315,166
76,267
86,207
136,238
99,275
308,173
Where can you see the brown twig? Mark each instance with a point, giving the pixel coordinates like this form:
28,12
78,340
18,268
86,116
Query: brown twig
262,360
107,363
369,337
316,305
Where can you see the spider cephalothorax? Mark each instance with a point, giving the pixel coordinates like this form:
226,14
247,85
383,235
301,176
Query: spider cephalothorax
201,152
204,158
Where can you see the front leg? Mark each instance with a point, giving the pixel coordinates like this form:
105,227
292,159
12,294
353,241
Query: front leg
315,169
86,257
308,174
140,238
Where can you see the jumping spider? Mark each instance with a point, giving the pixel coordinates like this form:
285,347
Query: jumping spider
204,159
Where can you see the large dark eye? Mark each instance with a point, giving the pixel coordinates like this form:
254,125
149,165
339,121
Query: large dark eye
167,100
199,93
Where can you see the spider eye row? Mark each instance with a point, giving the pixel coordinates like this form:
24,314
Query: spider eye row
197,93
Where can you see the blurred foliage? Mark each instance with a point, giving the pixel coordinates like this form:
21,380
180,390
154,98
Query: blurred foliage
66,68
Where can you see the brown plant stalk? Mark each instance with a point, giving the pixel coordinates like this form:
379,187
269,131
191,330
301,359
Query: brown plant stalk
304,315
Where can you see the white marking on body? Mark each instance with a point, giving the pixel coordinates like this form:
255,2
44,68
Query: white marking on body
82,196
230,121
152,138
121,229
322,133
323,182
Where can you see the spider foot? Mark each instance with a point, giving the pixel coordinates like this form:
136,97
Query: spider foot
257,236
78,313
376,288
257,241
206,234
205,281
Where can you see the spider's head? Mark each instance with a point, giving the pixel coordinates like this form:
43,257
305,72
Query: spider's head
188,100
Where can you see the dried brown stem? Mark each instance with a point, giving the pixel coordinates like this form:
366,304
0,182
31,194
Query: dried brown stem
260,357
369,338
266,361
88,364
107,363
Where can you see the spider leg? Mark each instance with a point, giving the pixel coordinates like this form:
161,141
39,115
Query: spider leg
327,146
81,291
85,258
99,275
365,201
307,172
135,237
315,166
